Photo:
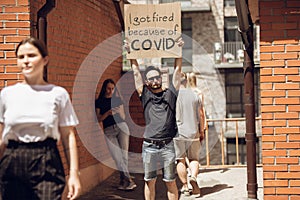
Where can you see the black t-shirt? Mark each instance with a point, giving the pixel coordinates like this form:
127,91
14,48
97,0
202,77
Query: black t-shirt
106,104
159,112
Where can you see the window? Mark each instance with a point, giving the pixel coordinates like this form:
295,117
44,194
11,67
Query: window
229,3
231,151
231,30
187,34
234,87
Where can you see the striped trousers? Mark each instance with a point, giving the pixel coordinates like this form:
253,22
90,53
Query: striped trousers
31,171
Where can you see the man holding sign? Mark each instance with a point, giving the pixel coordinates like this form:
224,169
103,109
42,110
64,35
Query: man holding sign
159,106
155,31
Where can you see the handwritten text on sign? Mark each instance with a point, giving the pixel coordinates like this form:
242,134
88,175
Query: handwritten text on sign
152,30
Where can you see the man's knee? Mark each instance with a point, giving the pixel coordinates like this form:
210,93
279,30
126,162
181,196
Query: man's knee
151,182
180,161
171,186
171,183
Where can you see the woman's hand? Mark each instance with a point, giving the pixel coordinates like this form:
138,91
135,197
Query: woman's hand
116,110
70,150
108,113
74,186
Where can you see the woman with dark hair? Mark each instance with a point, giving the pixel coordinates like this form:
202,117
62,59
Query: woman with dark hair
110,111
34,115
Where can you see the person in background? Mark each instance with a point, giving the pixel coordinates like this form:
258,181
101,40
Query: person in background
110,111
159,112
192,83
34,115
190,121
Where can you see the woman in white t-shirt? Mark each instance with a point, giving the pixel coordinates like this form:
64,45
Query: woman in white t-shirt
34,115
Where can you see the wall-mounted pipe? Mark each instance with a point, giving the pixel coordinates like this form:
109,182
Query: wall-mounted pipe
42,19
42,24
119,12
246,30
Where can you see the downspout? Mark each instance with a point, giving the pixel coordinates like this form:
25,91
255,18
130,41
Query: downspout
119,12
42,24
246,31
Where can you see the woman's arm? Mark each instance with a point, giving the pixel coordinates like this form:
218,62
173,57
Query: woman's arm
121,111
202,116
201,122
2,145
70,150
104,116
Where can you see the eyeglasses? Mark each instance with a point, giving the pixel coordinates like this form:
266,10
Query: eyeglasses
153,78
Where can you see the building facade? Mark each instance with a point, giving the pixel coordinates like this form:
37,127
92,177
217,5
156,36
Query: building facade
72,29
85,39
279,80
214,51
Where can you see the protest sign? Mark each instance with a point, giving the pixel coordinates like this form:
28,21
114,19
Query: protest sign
152,30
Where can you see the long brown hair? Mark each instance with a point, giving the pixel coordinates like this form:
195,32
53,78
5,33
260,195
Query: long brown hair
40,45
103,89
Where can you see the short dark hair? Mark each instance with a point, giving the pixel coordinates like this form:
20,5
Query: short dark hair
150,68
39,44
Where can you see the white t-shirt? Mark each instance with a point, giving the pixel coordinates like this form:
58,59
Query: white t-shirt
32,113
187,118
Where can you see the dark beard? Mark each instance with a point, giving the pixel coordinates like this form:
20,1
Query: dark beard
156,87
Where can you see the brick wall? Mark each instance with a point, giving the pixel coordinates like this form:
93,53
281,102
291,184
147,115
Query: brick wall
14,26
280,98
75,29
134,111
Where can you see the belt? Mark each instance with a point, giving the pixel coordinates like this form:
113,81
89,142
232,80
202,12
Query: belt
159,142
49,142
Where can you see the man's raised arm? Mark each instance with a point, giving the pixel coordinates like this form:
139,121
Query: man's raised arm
138,79
177,73
177,66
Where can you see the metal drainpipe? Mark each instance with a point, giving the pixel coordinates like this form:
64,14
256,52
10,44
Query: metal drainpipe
119,12
42,24
246,30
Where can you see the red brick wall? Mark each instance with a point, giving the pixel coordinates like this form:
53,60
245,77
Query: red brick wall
280,98
75,28
14,25
134,112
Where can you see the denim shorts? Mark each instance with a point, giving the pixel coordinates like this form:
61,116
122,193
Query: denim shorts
155,158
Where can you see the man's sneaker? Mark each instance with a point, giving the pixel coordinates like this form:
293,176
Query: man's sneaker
194,184
127,186
185,191
121,183
130,186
